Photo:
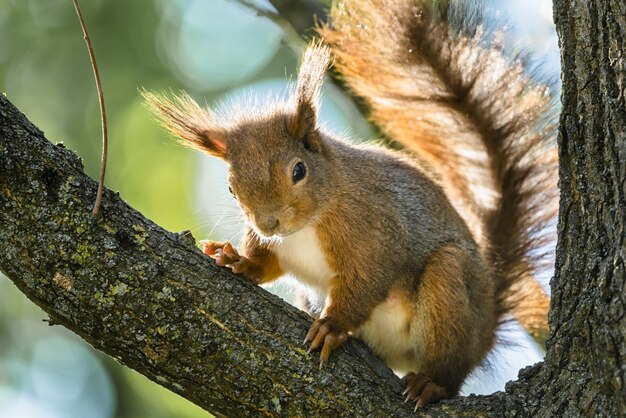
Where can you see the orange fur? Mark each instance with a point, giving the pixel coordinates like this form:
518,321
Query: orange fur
259,255
439,301
484,126
416,259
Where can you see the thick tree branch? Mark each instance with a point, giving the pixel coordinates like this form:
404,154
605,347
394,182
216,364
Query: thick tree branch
153,301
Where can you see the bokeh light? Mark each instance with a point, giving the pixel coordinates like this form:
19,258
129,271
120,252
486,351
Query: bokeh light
215,44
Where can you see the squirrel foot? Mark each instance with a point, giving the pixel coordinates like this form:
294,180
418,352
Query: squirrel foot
327,333
225,255
422,390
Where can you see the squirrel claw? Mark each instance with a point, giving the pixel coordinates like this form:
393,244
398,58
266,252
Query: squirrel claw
325,333
225,255
422,390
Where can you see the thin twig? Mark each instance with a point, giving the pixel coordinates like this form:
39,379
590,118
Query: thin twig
292,38
105,142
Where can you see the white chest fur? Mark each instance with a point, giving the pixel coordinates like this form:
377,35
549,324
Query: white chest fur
386,332
300,254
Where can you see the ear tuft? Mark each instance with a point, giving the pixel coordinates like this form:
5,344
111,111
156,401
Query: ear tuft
315,62
184,118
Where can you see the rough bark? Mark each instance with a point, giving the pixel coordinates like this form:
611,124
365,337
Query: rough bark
149,298
584,371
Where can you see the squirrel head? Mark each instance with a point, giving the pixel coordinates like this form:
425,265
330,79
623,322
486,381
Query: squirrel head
278,166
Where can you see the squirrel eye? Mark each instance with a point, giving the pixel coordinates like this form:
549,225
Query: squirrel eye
299,171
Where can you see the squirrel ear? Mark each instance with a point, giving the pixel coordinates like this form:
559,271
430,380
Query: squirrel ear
315,61
183,117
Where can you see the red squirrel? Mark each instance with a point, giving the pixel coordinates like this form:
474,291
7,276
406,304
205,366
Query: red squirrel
421,253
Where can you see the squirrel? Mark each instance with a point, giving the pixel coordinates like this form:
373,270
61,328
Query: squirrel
421,253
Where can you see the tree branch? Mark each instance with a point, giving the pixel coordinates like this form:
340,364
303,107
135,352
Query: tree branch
153,301
302,14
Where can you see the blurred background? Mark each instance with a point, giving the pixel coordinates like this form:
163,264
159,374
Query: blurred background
219,51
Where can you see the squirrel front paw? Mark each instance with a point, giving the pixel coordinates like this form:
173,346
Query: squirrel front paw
422,390
225,255
327,333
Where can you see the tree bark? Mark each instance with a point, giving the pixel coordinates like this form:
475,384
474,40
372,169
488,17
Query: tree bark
150,299
585,369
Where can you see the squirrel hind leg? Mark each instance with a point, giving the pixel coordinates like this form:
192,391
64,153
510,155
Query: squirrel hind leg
453,322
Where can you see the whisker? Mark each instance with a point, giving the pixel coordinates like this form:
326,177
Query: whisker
214,225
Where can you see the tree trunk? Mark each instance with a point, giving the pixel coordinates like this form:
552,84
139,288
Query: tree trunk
150,299
585,370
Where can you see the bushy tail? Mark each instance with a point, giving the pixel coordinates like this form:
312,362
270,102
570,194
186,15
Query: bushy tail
437,82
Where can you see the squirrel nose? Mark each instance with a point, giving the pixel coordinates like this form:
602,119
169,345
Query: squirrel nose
268,224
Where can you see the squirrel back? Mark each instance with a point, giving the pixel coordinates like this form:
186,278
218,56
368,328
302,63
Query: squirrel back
437,81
